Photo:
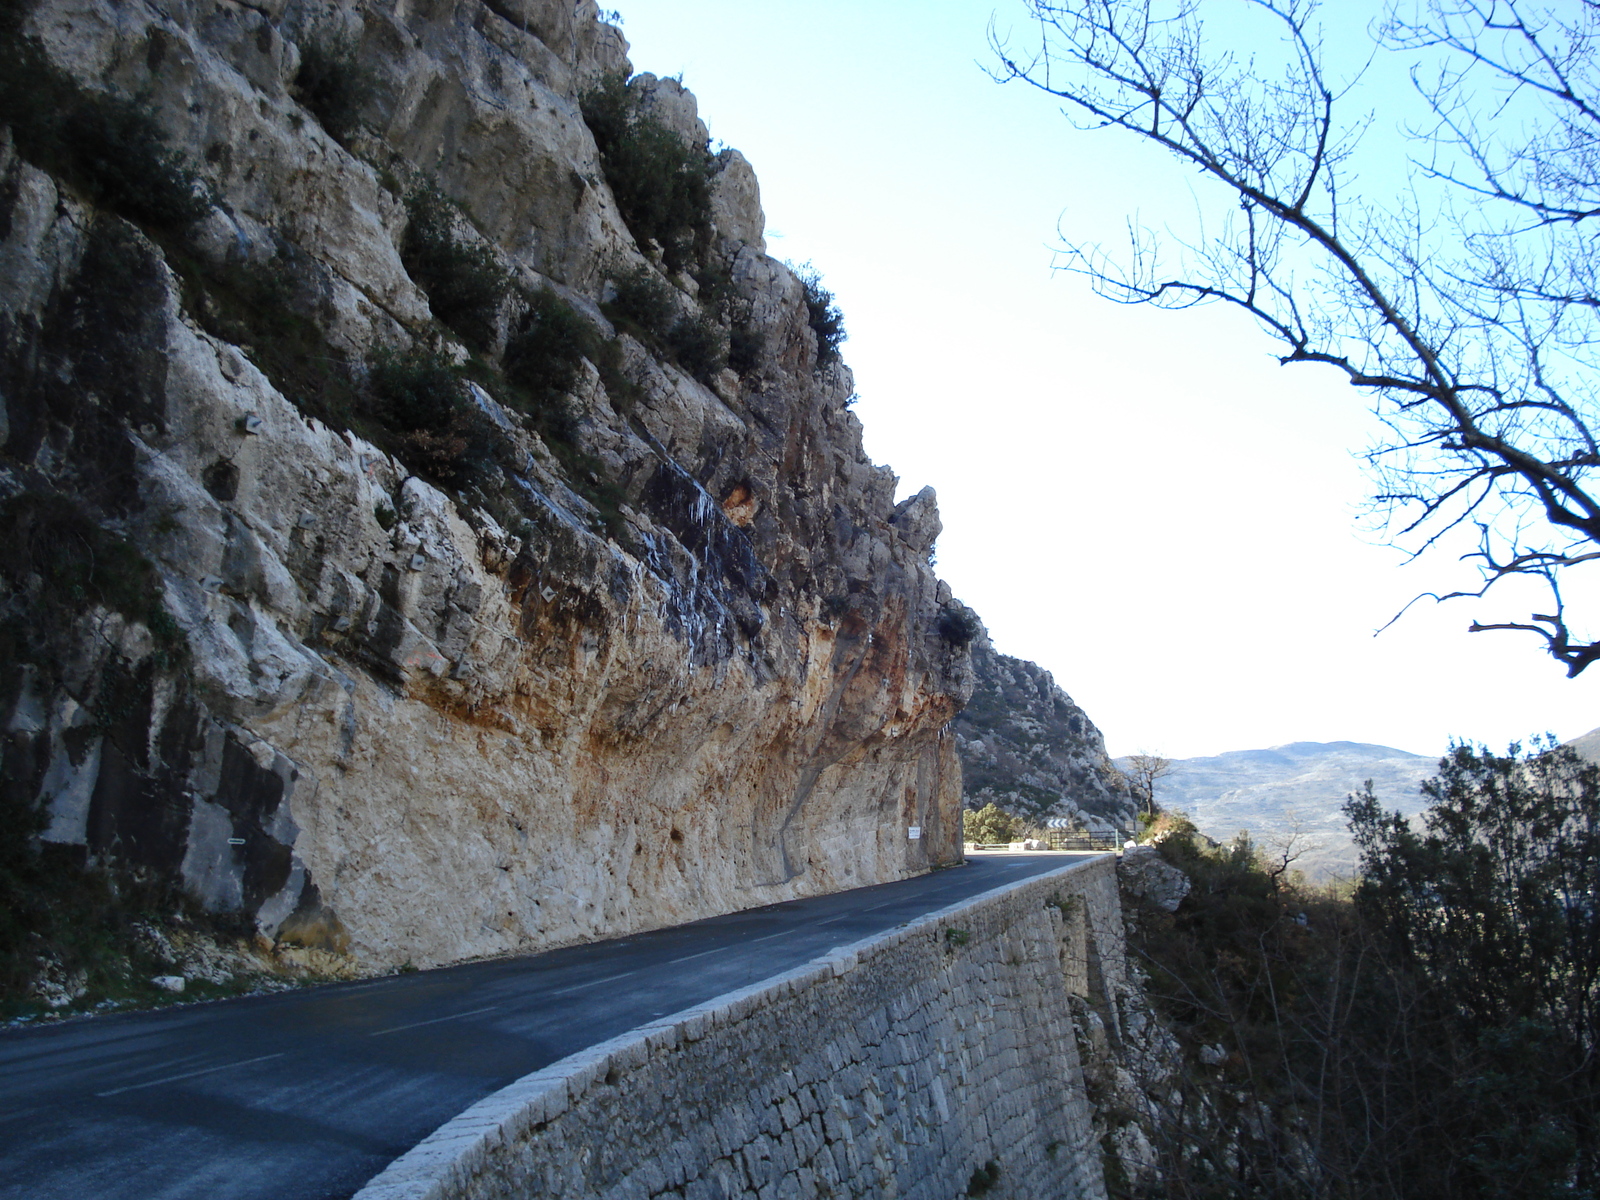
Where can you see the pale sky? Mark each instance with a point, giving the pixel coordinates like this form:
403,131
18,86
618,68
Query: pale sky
1144,503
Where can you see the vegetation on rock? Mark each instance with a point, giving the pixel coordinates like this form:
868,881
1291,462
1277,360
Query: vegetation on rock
647,306
107,147
1432,1034
825,318
334,84
465,284
662,183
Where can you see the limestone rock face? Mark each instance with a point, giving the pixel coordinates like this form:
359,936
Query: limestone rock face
1028,748
685,661
1149,879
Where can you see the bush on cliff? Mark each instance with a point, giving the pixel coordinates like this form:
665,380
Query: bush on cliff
647,306
465,284
662,183
822,314
334,84
425,416
109,148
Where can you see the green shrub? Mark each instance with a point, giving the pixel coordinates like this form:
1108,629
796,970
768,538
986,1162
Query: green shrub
662,184
415,391
745,348
334,84
984,1178
822,314
646,305
989,825
699,344
957,624
545,356
255,304
464,283
423,414
56,561
109,148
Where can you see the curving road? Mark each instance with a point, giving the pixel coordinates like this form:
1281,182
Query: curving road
306,1095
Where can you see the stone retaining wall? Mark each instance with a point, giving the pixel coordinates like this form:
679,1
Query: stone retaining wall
894,1067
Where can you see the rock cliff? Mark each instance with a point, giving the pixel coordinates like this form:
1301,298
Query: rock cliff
1026,747
413,544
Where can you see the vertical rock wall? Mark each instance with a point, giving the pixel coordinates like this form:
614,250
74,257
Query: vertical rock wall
688,663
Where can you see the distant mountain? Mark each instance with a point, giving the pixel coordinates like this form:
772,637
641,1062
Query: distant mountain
1588,745
1296,789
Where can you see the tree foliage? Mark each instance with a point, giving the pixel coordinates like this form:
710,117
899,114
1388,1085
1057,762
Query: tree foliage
661,182
1496,903
989,825
1143,770
1432,1037
1466,304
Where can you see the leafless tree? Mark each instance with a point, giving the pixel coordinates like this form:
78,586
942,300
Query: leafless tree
1143,770
1466,305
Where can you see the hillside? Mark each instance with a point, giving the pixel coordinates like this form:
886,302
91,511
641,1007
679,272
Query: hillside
1293,790
1028,748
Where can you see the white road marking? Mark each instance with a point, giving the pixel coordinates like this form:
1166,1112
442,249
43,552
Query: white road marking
592,983
133,1087
702,954
770,936
435,1021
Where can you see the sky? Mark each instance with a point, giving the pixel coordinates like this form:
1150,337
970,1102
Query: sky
1144,503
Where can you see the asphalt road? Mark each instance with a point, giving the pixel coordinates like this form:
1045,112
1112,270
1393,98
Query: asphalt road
306,1095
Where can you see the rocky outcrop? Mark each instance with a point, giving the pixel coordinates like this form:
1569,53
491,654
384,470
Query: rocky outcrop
1151,880
1026,747
496,687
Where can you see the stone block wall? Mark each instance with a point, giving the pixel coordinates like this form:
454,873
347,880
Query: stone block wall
895,1067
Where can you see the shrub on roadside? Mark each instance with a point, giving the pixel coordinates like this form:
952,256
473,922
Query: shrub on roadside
989,824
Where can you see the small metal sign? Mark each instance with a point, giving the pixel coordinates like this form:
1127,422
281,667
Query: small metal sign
914,833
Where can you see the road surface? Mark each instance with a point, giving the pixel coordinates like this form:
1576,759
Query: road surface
306,1095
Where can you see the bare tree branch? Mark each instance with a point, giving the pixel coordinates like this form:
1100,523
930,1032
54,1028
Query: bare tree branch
1467,306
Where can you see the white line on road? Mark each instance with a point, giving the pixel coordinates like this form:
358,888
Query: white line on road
702,954
592,983
770,936
435,1021
133,1087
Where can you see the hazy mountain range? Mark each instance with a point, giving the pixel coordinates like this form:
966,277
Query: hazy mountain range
1293,791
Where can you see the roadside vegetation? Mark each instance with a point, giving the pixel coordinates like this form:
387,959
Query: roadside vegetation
1432,1031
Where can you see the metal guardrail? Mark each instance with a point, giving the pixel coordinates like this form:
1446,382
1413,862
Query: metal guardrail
1060,841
